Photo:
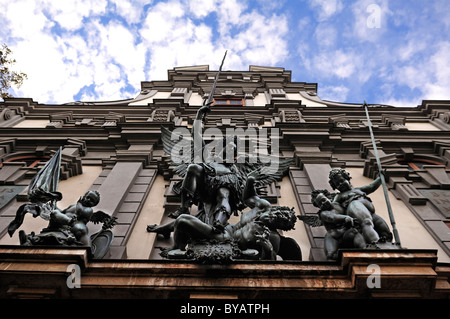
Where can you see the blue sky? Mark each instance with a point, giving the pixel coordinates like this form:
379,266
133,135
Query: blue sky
382,51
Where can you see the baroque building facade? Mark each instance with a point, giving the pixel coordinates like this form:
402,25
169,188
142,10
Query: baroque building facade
115,148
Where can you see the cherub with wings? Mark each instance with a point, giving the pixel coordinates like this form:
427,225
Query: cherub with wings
342,230
74,219
66,227
216,186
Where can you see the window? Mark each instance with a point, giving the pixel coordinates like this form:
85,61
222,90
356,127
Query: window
229,102
417,164
30,160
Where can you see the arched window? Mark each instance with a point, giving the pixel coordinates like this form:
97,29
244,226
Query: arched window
229,102
30,160
417,163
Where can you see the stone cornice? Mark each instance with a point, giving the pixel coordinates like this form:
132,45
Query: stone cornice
403,274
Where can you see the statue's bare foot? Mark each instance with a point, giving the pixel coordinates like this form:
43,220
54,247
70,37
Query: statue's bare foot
157,229
152,228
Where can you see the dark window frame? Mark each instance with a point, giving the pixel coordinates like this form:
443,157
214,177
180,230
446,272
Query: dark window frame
228,102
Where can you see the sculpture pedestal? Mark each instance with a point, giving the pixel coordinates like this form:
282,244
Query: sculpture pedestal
212,252
402,273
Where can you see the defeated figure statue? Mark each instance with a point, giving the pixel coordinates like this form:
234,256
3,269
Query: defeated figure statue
256,234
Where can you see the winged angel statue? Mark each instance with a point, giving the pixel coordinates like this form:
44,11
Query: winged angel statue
215,180
216,185
68,226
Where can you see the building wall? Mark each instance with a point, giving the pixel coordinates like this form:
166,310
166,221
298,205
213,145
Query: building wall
141,243
417,126
32,124
122,139
411,232
260,100
196,99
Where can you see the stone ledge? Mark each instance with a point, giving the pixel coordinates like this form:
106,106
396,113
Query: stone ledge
13,253
403,273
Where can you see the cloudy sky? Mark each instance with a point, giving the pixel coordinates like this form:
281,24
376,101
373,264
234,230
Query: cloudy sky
383,51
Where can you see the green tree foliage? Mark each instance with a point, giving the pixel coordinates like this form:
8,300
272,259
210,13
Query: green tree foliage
8,77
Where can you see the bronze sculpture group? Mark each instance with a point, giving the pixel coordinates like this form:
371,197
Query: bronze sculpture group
222,188
255,236
348,216
219,188
66,227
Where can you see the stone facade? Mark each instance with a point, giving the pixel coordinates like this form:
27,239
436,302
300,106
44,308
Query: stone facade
124,139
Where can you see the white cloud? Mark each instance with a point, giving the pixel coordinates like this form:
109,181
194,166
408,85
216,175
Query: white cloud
428,76
174,39
117,45
202,8
334,93
131,10
411,48
326,35
69,14
400,102
441,12
58,68
337,63
229,15
370,19
326,8
399,61
431,75
99,49
61,64
261,40
24,19
439,85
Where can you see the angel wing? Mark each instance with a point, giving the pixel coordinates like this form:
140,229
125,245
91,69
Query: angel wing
311,220
180,147
271,170
102,217
275,170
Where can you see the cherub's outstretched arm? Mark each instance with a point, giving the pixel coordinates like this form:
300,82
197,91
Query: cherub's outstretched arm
335,218
372,187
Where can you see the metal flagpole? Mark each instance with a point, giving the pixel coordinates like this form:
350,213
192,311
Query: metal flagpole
383,182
